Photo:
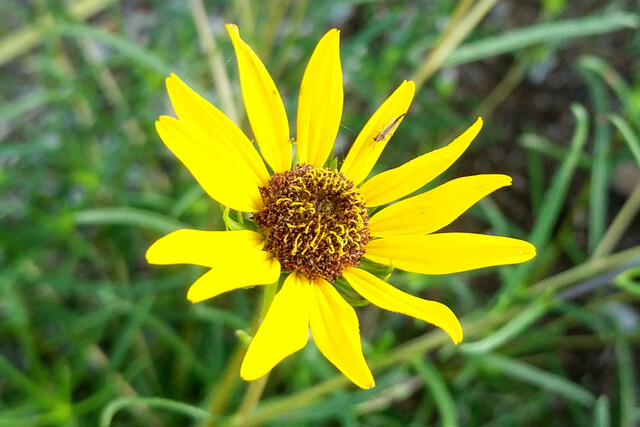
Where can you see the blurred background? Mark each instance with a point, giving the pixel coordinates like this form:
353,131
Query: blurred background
92,335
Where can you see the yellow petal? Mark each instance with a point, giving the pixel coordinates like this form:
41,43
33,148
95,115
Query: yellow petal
222,173
239,272
218,127
385,296
396,183
263,104
369,144
430,211
320,102
283,331
206,248
336,332
445,253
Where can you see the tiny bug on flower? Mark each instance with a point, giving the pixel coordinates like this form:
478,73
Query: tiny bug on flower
391,126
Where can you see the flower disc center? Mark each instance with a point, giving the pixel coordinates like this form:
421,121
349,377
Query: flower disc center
314,220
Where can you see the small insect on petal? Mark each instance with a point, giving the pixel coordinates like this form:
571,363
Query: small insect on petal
389,128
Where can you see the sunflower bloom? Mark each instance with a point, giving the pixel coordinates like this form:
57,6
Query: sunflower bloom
312,222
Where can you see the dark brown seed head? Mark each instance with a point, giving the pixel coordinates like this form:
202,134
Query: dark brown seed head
314,220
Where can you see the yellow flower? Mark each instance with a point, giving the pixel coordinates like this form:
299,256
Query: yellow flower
313,222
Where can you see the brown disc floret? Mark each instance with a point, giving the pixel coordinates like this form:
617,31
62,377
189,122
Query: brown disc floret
314,220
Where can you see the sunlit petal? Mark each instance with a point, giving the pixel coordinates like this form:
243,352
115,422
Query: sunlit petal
403,180
218,127
259,269
263,104
336,332
221,173
369,144
430,211
320,102
206,248
385,296
445,253
283,331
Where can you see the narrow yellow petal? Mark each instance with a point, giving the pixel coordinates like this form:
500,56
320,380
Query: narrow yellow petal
320,102
336,332
385,296
239,272
445,253
220,172
369,144
430,211
218,127
206,248
263,104
396,183
283,331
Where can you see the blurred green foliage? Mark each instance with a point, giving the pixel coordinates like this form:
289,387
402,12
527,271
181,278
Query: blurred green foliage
92,335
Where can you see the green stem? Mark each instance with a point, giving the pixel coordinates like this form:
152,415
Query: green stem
225,386
251,399
269,294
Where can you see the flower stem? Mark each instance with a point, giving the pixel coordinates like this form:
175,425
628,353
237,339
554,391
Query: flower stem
251,399
256,388
269,294
230,376
225,386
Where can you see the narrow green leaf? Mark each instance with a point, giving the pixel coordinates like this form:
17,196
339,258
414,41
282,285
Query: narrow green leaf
602,413
600,169
125,46
154,402
16,108
553,32
511,329
438,389
127,216
629,136
554,199
517,370
621,88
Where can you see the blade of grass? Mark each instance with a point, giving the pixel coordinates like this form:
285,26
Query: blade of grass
538,377
25,39
18,107
629,136
622,90
537,144
626,381
126,47
620,224
554,199
509,330
560,31
127,216
438,389
214,58
451,38
158,403
535,173
601,415
600,169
